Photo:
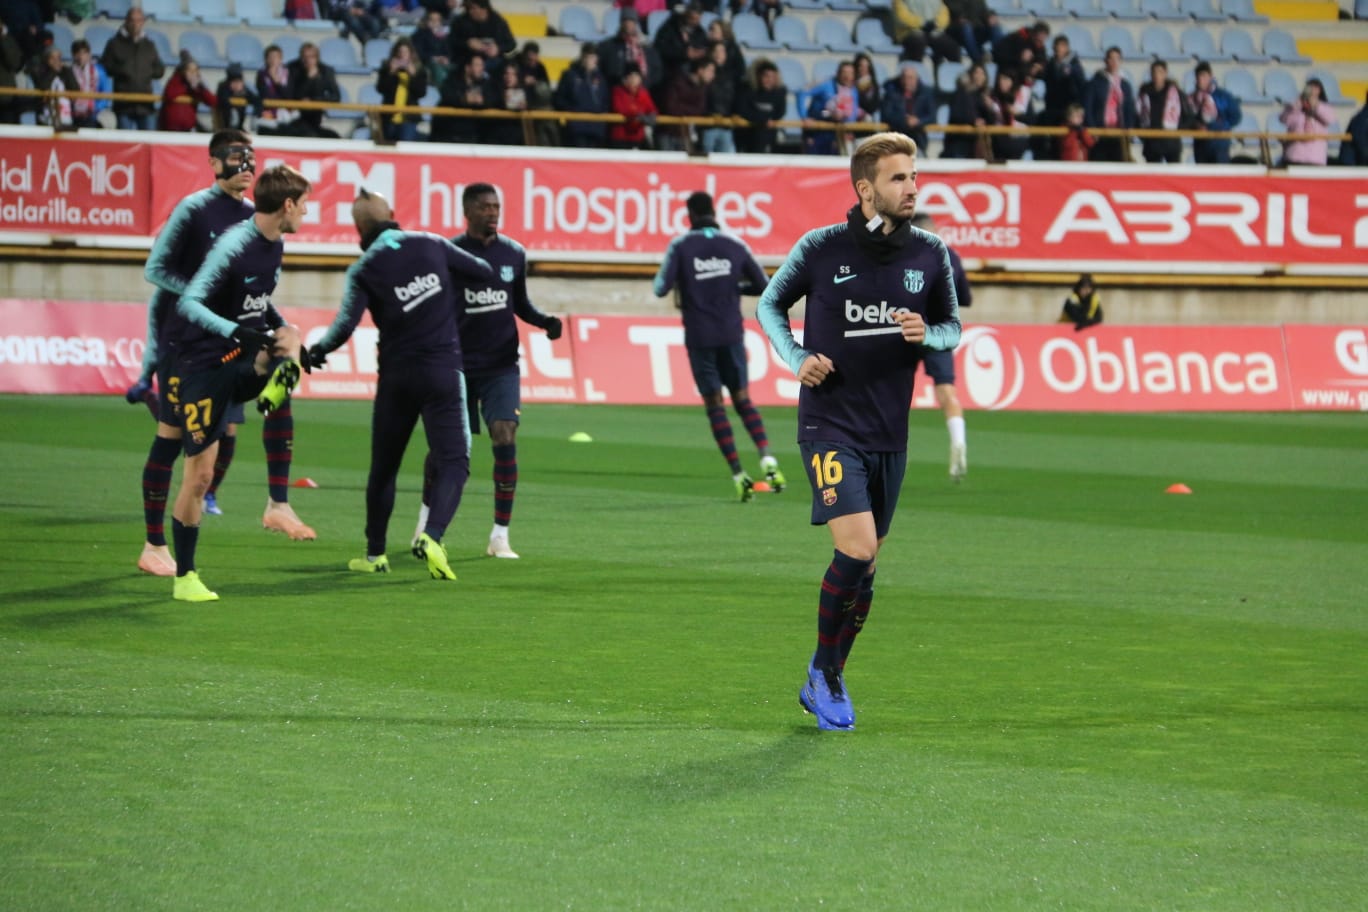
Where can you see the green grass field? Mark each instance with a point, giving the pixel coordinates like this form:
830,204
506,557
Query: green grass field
1074,691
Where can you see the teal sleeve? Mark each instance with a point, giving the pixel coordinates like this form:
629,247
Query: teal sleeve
942,313
158,270
354,303
665,276
788,285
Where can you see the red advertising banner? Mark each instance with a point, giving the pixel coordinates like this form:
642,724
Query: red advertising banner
1329,366
75,187
571,205
66,347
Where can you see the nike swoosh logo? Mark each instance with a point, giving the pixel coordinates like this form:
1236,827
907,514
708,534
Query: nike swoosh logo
839,279
249,280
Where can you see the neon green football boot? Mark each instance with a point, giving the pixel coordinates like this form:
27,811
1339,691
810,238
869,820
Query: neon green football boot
366,565
189,588
283,381
435,554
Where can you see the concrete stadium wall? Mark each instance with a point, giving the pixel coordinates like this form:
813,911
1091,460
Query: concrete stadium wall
993,303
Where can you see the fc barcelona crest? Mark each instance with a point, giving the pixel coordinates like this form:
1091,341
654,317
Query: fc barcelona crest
829,496
506,273
914,280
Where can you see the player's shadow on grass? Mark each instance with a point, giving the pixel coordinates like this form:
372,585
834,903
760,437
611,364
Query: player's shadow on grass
725,774
113,589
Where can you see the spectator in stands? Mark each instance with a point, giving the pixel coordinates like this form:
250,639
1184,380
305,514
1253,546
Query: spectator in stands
1066,85
234,87
867,85
430,41
634,103
508,95
975,27
686,95
312,80
970,106
584,89
397,12
1083,307
448,8
273,83
184,92
1214,109
301,9
482,32
131,60
401,80
24,23
835,100
763,100
11,65
1310,115
355,18
1110,103
1355,151
733,69
1009,110
1076,144
536,84
1023,51
769,10
466,86
52,75
681,40
1162,106
916,25
90,77
629,48
722,98
909,105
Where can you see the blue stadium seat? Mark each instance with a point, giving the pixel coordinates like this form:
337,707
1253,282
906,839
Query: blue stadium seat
1272,124
847,6
1361,9
244,48
113,9
1163,10
870,35
1119,36
288,44
1201,10
212,12
824,70
834,34
1333,93
1281,86
376,52
1282,47
792,33
655,19
62,36
577,22
923,70
752,33
1243,11
1079,9
792,73
1081,40
1196,41
344,96
1239,44
163,43
1242,84
203,47
612,18
340,54
947,73
1126,10
166,11
806,4
1156,41
259,14
98,36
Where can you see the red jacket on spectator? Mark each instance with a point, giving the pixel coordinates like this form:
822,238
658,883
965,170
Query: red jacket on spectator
179,116
632,106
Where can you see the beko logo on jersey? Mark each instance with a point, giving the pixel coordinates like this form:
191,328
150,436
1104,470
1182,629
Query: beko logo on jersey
712,267
485,299
418,290
256,303
881,313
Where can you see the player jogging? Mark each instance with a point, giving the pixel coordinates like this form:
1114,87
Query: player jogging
940,365
489,344
708,269
181,247
233,346
877,290
408,281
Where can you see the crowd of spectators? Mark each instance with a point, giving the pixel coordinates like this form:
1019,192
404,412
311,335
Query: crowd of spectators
466,51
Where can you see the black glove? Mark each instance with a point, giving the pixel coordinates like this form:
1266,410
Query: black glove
138,391
253,340
310,358
554,328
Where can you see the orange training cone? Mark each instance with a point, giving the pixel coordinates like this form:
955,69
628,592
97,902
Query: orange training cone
1178,488
305,483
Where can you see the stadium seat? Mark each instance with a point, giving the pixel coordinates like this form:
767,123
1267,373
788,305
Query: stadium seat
792,33
212,12
1163,10
1282,47
1196,41
288,44
847,6
947,73
824,70
166,12
1281,86
870,35
1157,41
163,43
259,14
834,34
577,22
62,37
244,48
612,18
791,72
888,4
806,4
376,52
1361,9
113,9
1243,11
1079,9
1242,84
1333,93
1081,41
752,33
1119,36
340,54
98,36
203,47
1123,10
1201,10
1239,44
655,19
1272,124
345,96
924,71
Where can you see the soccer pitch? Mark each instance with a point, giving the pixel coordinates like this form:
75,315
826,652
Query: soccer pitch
1074,691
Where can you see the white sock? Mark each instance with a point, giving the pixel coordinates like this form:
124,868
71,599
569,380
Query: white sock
373,557
768,462
422,518
956,427
499,532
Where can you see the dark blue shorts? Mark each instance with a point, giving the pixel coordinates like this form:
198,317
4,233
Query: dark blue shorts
717,366
207,398
939,366
846,481
498,397
168,393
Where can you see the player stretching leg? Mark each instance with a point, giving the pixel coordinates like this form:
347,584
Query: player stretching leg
877,290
